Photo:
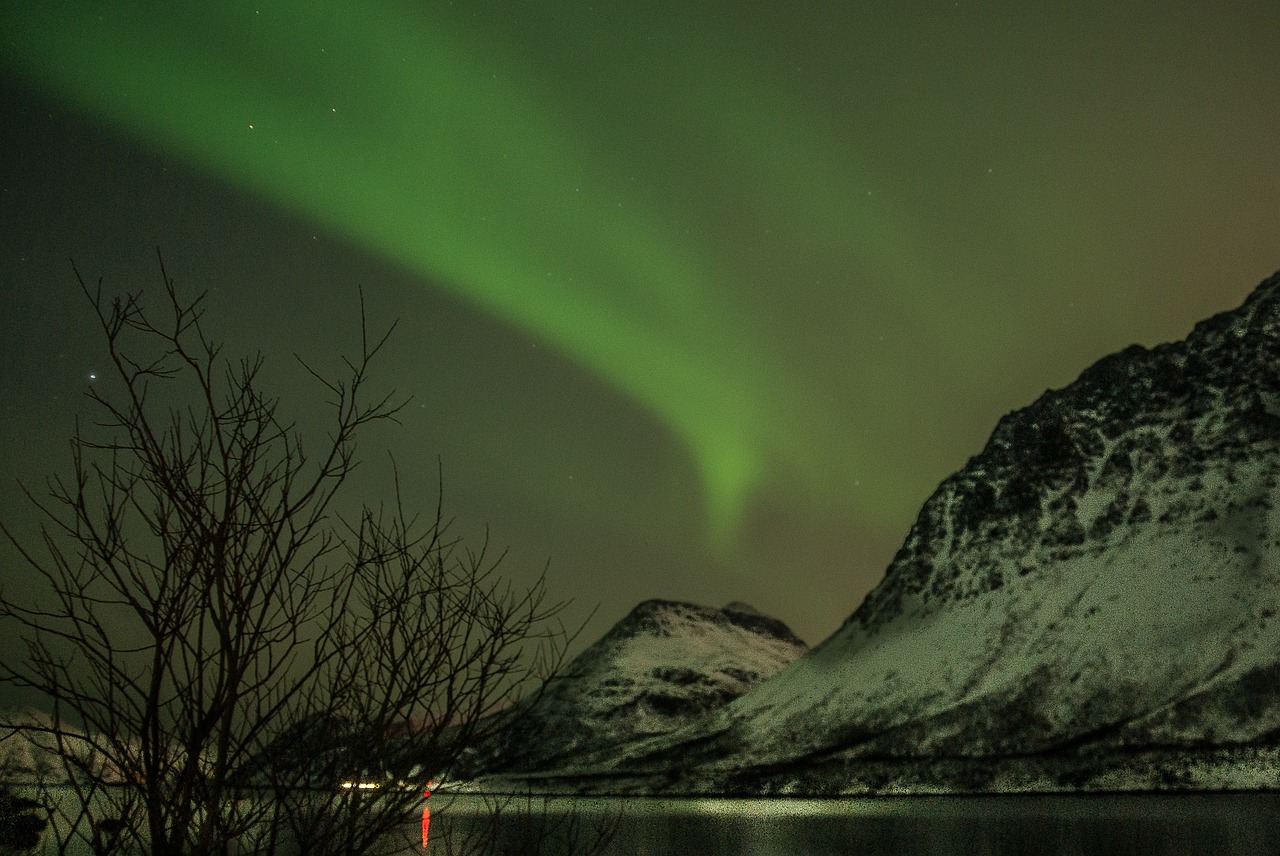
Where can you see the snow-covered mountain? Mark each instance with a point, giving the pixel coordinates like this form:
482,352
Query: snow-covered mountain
1090,602
662,666
29,752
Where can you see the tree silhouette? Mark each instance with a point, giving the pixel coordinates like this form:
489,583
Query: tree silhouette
220,649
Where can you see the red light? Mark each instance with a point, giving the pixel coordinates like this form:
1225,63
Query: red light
426,820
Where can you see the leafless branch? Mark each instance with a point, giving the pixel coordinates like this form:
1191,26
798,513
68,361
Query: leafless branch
209,631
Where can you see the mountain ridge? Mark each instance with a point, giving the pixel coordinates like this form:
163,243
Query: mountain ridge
1099,583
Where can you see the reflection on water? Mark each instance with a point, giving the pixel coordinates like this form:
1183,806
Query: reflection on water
1097,825
1220,824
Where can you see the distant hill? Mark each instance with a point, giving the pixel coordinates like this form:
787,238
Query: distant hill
29,755
662,666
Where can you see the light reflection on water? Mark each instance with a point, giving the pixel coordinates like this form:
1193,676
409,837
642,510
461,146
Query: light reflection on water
1241,824
1220,824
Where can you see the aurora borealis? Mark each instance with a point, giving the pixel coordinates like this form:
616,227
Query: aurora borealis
700,300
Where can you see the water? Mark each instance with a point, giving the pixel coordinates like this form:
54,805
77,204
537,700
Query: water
1098,825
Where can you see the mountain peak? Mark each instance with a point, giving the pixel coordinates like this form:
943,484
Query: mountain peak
661,666
1096,590
1052,481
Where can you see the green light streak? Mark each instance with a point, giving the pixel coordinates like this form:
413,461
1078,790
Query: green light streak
399,132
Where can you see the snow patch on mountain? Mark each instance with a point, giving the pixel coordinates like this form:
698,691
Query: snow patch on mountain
30,750
660,667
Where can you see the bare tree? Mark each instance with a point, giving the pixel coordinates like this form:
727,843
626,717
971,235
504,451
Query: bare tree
223,647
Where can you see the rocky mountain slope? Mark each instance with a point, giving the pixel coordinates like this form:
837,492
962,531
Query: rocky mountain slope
1090,602
662,666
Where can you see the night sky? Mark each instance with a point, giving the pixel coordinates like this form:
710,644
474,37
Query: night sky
698,299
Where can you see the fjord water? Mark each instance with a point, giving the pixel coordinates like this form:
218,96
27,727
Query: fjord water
1098,825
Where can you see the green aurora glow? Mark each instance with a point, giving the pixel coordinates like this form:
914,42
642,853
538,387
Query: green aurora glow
452,162
825,246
